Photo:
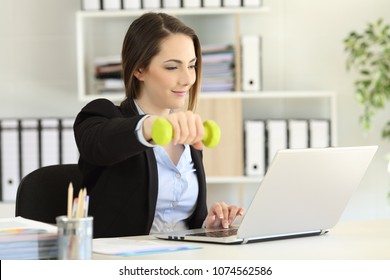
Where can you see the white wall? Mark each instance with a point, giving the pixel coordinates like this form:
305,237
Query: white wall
38,58
303,50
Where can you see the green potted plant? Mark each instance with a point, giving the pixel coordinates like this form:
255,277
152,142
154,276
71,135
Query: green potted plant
368,53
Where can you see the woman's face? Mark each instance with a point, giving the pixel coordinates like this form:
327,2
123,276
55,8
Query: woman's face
166,82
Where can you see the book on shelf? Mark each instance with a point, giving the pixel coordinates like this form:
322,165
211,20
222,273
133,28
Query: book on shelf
254,146
298,133
320,133
276,137
151,4
91,5
251,62
171,4
252,3
9,156
131,4
263,138
109,86
212,3
25,239
108,59
218,68
192,3
30,143
108,75
111,4
108,67
231,3
108,71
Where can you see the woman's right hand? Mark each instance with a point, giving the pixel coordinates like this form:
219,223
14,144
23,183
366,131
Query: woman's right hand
187,128
221,215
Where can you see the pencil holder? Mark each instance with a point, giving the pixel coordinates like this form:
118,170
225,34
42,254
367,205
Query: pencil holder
74,238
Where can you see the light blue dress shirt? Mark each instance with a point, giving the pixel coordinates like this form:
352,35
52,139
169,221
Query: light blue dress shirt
177,186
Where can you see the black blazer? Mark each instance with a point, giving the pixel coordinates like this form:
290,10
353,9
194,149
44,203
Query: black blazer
120,173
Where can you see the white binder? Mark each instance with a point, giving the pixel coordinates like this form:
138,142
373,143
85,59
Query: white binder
151,4
319,133
212,3
90,5
171,3
252,3
276,137
251,62
112,4
298,134
50,144
254,147
69,151
30,145
10,168
131,4
192,3
231,3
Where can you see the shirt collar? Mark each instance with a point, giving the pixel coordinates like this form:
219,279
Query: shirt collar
138,108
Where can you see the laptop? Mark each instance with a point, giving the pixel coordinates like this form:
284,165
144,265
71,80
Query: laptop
303,193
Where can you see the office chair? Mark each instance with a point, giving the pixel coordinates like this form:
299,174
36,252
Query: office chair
42,194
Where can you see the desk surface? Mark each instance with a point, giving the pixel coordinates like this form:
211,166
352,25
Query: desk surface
347,240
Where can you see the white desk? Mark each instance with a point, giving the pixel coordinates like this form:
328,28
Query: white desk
348,240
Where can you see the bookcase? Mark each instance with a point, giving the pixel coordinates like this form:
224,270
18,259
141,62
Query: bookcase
100,33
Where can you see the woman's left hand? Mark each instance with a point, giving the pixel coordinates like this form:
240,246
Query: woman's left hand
222,215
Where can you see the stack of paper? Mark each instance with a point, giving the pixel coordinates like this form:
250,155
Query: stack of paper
24,239
118,246
218,68
108,74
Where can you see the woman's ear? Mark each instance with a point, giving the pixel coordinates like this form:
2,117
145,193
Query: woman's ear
139,74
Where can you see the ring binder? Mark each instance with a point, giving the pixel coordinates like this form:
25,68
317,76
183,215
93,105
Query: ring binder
251,62
10,158
254,147
28,144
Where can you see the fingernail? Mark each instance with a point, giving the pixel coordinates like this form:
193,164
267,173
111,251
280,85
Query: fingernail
225,224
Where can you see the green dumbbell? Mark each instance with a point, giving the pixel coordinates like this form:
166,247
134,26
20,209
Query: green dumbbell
162,132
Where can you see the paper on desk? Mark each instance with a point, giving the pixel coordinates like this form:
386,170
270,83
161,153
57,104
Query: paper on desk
20,224
130,247
25,239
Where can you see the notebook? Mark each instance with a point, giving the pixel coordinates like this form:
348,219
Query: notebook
303,193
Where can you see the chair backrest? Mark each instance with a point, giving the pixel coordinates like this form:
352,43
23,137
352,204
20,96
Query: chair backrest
42,194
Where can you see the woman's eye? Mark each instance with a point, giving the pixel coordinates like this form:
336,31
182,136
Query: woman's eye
171,67
193,66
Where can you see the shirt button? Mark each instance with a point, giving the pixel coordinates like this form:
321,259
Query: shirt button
178,175
174,203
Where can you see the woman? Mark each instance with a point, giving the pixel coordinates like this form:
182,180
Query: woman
135,186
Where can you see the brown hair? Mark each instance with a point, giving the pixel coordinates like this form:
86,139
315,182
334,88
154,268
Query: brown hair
142,43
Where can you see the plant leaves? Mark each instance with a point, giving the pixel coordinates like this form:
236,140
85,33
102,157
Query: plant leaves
368,53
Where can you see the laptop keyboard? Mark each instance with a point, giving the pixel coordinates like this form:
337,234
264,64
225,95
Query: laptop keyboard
219,233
